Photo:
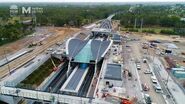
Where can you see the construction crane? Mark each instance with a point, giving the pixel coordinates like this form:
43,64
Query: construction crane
124,100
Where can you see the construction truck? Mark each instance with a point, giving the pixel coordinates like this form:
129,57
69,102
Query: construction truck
145,46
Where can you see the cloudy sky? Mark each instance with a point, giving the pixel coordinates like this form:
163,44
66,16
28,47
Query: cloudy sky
92,0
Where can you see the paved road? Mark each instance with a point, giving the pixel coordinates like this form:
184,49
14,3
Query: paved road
136,53
146,78
133,87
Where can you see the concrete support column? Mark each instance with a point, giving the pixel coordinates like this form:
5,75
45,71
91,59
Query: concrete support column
95,70
69,66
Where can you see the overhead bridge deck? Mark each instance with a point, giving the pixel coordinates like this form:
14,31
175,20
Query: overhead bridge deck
75,80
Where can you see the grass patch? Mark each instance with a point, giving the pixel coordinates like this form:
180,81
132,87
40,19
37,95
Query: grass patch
2,42
38,76
165,31
6,41
149,31
133,30
154,30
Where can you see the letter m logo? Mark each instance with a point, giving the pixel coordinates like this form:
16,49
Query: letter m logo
26,10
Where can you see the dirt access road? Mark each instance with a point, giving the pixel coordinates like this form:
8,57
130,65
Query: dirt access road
59,35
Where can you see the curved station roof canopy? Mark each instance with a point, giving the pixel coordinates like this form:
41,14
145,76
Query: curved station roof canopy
84,51
105,26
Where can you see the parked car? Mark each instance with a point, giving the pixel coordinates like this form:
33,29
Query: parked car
129,74
157,88
154,80
54,52
147,72
138,66
127,46
50,49
147,99
59,43
144,60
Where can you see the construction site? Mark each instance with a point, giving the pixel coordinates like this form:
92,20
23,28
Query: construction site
67,63
94,64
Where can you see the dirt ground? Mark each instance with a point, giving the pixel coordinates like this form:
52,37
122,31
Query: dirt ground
149,36
11,47
163,37
59,35
115,24
24,42
178,41
180,44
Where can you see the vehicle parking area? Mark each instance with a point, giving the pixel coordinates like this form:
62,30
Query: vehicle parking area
150,82
134,54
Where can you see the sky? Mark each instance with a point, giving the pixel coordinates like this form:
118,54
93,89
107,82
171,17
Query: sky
92,0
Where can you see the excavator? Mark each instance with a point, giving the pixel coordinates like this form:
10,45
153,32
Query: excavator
124,100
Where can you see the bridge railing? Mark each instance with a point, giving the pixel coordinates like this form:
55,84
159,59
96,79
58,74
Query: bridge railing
46,96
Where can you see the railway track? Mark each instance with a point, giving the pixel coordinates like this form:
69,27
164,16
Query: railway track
58,81
85,86
38,50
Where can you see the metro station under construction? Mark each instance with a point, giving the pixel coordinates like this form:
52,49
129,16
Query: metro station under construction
82,73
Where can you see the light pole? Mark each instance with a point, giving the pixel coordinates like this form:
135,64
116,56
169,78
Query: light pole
135,23
167,79
7,62
95,68
69,66
142,25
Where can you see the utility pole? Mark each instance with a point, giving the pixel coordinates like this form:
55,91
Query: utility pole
7,62
135,23
142,25
167,79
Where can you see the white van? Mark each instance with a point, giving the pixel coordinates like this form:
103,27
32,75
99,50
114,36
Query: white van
154,80
138,66
157,88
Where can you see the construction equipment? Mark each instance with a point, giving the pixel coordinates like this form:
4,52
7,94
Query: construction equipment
145,46
124,100
183,53
55,67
